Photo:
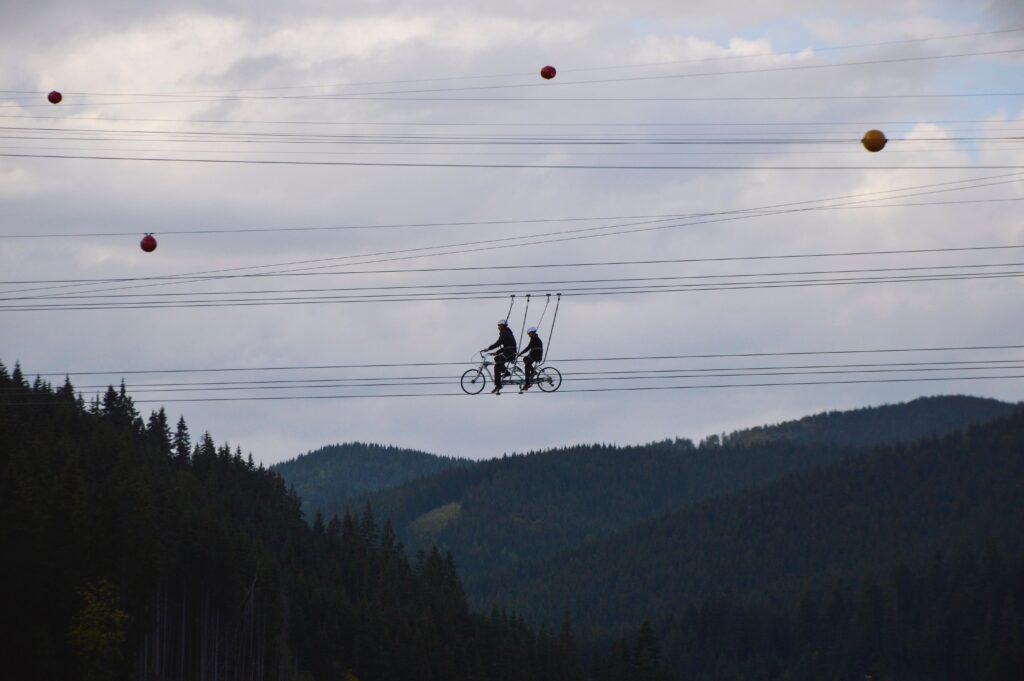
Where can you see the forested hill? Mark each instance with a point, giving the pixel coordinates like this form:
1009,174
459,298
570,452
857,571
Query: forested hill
957,617
497,513
131,551
903,502
128,553
887,424
330,477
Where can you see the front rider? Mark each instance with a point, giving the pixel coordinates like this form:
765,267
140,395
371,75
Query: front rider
506,353
534,353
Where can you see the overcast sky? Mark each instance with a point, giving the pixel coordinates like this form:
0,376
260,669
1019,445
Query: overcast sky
140,79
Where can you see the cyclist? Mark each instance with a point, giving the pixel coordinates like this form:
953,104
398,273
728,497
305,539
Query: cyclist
506,345
534,353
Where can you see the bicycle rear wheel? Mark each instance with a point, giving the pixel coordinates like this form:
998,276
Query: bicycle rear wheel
549,379
473,381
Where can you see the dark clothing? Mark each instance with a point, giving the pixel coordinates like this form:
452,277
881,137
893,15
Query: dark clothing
499,369
535,347
507,342
529,361
534,354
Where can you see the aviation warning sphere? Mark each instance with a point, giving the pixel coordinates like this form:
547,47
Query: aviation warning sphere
148,243
54,97
874,140
548,72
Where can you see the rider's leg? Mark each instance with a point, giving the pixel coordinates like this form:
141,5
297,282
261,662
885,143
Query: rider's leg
499,369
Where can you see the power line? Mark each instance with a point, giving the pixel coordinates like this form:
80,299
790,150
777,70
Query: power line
778,384
717,355
622,374
245,230
564,391
489,244
545,283
886,43
605,263
734,98
520,124
563,83
497,294
730,135
504,166
503,154
396,381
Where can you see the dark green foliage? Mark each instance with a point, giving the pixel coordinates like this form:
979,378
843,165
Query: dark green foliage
331,477
499,512
159,433
181,444
639,659
132,552
946,619
495,514
902,502
127,556
888,424
98,633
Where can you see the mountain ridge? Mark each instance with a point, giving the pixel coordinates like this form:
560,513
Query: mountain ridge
330,477
904,500
506,507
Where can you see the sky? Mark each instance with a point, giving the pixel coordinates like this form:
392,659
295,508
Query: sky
757,108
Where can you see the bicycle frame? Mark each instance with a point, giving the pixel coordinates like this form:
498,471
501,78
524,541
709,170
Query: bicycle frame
548,379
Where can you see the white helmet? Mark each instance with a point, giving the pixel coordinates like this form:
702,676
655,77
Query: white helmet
502,322
532,329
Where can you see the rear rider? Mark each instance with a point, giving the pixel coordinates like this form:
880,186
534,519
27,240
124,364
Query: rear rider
506,352
534,353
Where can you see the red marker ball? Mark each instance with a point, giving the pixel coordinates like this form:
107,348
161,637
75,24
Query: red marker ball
54,97
148,243
548,72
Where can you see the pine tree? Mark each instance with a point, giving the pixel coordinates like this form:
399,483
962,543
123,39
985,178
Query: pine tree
67,391
17,377
647,657
388,539
569,661
182,444
334,528
368,527
130,414
159,433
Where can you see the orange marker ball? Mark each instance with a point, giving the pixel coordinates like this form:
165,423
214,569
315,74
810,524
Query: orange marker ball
874,140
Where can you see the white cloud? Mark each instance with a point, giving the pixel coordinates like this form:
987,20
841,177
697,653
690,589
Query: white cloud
230,46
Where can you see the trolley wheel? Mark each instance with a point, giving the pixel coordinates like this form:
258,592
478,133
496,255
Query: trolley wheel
473,381
549,379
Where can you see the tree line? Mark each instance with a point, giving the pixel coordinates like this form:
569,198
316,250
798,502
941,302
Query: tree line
134,550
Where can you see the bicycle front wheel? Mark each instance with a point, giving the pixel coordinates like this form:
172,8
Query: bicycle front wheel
549,379
473,381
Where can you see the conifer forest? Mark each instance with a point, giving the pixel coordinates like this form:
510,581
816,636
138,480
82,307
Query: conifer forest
135,549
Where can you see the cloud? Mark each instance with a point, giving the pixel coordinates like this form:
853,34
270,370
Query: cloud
1009,11
128,47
